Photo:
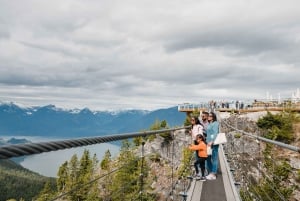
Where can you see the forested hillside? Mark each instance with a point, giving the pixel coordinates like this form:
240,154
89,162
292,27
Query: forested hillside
121,178
18,183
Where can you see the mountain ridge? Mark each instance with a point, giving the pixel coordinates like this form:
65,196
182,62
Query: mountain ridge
49,120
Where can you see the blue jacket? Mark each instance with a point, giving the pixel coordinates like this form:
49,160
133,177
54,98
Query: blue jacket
212,131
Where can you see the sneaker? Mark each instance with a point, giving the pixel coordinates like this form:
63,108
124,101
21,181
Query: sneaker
198,177
190,177
211,177
203,179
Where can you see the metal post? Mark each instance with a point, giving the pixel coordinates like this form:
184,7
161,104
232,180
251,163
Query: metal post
173,152
142,174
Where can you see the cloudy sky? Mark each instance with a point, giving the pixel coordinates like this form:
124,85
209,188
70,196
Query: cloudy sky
147,54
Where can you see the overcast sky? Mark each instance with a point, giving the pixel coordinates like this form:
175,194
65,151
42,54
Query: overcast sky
147,54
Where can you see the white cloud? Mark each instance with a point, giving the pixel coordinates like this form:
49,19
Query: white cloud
146,54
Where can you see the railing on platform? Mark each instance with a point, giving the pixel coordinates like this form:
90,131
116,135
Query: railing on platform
256,105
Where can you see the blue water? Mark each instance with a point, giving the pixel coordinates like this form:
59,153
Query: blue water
48,163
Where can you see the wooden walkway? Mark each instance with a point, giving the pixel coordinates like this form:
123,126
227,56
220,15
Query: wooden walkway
221,189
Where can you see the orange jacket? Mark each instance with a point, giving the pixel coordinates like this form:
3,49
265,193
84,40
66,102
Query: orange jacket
201,148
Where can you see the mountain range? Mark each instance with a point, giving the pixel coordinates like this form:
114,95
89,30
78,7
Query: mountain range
49,120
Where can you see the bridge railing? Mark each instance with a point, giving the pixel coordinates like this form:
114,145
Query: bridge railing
10,151
245,156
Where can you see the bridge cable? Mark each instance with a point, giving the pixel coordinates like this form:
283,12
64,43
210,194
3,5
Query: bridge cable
287,146
270,184
17,150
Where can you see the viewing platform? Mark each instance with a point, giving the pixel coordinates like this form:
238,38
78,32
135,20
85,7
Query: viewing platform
239,107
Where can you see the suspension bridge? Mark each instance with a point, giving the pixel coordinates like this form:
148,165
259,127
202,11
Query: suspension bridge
234,173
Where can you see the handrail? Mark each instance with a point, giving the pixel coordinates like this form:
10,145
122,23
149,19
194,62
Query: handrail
232,192
281,144
17,150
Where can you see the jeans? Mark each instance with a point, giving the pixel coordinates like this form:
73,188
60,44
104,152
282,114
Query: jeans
213,160
201,162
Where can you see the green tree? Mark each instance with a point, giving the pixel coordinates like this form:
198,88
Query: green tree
279,126
167,135
105,163
63,176
125,181
84,176
273,183
47,193
73,179
138,140
185,167
94,193
106,167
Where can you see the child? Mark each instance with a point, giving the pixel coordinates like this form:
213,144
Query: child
201,147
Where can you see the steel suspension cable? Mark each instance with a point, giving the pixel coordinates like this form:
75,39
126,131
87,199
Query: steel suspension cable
37,148
293,148
287,146
270,184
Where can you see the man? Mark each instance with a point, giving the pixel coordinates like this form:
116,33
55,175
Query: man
204,121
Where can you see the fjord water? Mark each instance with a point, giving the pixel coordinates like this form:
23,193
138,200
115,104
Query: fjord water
48,163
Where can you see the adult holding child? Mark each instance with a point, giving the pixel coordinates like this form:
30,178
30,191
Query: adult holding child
212,132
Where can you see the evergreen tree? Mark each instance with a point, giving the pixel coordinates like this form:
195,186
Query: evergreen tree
125,182
94,194
279,126
73,181
46,194
106,167
84,176
62,177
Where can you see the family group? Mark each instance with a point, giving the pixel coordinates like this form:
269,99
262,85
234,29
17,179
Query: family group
204,133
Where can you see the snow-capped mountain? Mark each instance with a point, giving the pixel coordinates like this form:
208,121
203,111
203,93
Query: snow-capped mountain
52,121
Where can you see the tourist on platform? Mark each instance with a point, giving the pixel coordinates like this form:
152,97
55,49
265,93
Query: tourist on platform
212,160
201,148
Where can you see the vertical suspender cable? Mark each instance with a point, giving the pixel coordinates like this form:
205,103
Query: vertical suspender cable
142,172
173,152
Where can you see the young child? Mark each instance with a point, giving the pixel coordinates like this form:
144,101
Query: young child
201,147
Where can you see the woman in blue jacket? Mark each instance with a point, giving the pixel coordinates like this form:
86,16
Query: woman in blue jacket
211,132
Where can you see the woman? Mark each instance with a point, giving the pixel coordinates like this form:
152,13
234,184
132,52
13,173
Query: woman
197,129
212,160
